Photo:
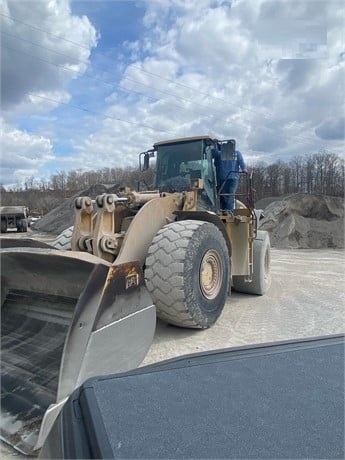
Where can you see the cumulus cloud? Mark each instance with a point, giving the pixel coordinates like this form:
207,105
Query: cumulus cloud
294,30
199,67
210,63
23,154
38,51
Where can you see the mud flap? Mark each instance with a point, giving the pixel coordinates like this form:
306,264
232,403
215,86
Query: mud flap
66,316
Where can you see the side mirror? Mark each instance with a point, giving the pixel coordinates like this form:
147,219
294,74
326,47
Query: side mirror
228,150
146,161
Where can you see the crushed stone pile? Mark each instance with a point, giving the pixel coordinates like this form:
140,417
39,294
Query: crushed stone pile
305,221
300,221
62,217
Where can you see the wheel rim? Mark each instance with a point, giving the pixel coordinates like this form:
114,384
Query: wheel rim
211,272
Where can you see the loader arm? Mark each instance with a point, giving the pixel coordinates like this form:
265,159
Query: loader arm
149,219
113,231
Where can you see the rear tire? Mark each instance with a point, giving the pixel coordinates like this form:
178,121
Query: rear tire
187,273
3,226
63,241
261,280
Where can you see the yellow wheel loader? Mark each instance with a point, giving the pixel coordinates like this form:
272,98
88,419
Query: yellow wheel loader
87,305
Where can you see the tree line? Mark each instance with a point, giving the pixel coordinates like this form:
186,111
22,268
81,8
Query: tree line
320,173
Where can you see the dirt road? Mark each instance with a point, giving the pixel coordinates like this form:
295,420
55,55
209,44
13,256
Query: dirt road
306,299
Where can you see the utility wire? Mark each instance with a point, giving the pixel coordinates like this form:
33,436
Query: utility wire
304,140
112,85
124,78
132,65
45,31
84,109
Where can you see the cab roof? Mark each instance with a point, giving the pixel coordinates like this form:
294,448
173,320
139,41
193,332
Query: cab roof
183,139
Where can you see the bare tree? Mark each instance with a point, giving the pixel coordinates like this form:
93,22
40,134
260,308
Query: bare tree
322,173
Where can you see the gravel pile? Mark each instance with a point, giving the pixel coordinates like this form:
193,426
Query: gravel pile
305,221
301,220
62,217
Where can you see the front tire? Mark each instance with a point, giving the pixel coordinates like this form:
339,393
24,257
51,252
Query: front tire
187,273
3,226
63,241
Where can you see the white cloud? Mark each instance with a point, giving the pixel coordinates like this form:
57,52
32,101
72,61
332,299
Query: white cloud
198,68
22,154
203,75
39,54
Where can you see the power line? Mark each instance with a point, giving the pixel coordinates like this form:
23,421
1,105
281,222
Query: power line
133,65
302,139
45,31
112,85
84,109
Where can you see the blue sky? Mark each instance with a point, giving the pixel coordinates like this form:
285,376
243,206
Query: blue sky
89,84
123,16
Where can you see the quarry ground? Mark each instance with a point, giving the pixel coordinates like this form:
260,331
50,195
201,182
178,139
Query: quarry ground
306,299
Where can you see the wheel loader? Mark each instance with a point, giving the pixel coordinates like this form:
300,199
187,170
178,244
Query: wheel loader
87,305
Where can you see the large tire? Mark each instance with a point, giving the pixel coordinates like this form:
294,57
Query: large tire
21,225
261,279
3,226
63,241
187,273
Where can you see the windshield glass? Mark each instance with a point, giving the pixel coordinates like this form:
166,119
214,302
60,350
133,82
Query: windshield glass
179,163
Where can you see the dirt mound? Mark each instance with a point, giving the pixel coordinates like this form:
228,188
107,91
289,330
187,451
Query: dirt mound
264,202
296,221
62,217
305,221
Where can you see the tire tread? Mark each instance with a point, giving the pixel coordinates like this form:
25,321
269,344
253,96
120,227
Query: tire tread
63,241
164,272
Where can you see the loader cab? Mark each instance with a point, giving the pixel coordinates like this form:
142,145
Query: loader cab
181,161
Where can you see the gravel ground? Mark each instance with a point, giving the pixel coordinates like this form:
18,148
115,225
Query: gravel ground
306,299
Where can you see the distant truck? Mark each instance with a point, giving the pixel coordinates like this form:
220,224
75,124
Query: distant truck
14,217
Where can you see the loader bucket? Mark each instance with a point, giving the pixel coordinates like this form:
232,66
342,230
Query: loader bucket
23,242
65,316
